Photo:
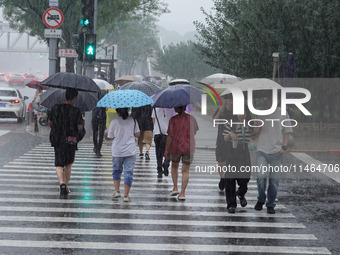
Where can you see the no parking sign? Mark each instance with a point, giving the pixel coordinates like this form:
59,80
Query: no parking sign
53,18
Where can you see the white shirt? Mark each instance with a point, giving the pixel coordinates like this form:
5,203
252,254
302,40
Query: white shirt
123,131
271,136
163,115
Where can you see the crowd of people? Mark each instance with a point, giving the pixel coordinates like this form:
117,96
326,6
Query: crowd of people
173,132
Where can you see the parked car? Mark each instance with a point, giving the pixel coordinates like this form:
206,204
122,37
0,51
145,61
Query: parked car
12,104
15,79
29,77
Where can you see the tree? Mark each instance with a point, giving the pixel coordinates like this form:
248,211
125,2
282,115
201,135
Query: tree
181,61
242,35
26,15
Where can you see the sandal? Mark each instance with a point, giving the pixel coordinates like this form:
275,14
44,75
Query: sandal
174,193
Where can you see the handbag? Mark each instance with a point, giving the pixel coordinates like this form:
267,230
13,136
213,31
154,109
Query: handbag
163,136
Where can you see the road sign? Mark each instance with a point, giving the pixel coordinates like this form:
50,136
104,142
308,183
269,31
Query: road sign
53,3
53,18
53,33
111,50
68,53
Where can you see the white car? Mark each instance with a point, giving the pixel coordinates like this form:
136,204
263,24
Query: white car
12,104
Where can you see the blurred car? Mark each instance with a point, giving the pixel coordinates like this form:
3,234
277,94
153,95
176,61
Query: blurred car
15,79
29,77
2,77
12,104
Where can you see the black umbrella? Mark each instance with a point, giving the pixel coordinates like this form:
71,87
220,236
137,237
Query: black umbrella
71,80
86,101
146,87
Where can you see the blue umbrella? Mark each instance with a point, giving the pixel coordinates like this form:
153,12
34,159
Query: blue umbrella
124,99
177,95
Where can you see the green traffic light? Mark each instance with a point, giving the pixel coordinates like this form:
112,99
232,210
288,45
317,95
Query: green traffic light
90,50
85,22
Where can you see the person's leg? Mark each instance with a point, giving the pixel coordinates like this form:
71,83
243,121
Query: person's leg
117,171
174,174
230,192
159,154
129,163
185,178
275,160
95,135
101,131
60,174
261,179
140,144
221,184
67,173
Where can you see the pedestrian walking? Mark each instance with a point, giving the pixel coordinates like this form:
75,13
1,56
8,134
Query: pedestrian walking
143,117
161,118
67,130
98,128
180,144
123,131
224,112
237,136
271,146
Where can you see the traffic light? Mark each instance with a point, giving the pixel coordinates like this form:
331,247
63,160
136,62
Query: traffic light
80,47
88,12
90,47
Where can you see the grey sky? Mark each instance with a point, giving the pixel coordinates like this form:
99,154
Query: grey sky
183,13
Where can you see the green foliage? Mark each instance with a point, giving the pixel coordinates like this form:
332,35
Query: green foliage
181,61
242,35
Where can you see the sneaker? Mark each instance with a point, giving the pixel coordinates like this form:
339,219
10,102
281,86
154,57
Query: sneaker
221,184
147,156
231,209
63,191
116,194
159,175
243,200
270,210
259,206
98,154
141,155
126,199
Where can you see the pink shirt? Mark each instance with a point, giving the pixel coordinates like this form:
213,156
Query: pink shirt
182,128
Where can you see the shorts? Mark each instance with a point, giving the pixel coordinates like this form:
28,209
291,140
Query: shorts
64,155
186,158
145,137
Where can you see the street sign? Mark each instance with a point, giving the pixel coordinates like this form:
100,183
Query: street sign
53,18
53,33
53,3
111,50
68,53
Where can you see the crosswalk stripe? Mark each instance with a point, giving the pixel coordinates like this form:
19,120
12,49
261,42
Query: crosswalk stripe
153,222
30,209
3,132
143,212
165,247
79,231
115,201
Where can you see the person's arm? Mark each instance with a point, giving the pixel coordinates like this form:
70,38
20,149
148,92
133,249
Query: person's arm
218,114
284,144
137,134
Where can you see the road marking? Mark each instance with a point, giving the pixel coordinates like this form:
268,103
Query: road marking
165,247
167,233
3,132
168,203
145,212
177,222
311,161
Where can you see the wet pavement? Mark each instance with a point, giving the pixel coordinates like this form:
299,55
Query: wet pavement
34,220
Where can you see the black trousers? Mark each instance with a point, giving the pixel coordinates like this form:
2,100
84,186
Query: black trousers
160,142
98,127
238,158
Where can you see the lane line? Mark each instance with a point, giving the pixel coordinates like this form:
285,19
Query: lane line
166,247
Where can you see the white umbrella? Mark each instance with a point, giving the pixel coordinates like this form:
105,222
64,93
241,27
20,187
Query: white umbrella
102,84
256,84
220,80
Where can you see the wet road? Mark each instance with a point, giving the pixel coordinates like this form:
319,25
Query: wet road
33,220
